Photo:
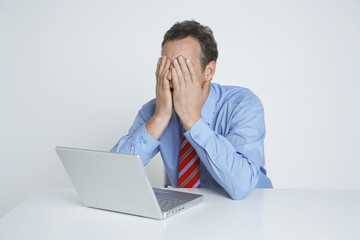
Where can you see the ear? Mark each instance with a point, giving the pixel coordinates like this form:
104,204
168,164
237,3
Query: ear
210,70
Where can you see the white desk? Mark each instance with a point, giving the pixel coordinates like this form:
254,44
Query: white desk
266,214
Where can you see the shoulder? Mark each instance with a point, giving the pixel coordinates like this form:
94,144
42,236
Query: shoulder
150,104
239,110
235,96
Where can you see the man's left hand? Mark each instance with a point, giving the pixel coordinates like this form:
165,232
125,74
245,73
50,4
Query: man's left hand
189,95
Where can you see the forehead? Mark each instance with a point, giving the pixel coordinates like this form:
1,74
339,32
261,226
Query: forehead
188,47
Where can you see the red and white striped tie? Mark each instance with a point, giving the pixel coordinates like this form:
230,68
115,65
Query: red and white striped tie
189,166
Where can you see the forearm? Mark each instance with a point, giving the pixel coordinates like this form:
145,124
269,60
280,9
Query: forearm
156,126
138,141
236,172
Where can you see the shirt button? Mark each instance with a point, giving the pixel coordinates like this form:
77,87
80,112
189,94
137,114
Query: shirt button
196,136
144,142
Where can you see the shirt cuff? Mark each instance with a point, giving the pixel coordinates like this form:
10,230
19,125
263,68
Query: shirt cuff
144,141
199,133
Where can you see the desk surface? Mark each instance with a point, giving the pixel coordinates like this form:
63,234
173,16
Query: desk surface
266,214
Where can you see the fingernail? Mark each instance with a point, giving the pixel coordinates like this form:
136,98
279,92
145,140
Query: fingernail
175,61
188,60
180,58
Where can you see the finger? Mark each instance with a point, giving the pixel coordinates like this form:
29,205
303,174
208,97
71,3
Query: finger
191,68
163,68
164,72
160,83
162,64
178,72
184,68
167,65
165,82
175,79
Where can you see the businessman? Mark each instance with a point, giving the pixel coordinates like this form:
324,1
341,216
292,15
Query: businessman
208,135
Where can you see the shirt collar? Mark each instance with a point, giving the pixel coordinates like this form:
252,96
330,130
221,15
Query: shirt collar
207,110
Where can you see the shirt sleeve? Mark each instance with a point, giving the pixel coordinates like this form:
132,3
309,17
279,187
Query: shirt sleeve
233,158
138,141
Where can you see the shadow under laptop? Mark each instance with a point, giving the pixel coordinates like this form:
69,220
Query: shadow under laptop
104,224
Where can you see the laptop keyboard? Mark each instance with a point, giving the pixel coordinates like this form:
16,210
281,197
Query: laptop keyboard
168,203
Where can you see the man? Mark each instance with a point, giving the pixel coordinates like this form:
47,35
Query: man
208,135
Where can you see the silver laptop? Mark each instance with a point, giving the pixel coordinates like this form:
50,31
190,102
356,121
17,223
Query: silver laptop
118,182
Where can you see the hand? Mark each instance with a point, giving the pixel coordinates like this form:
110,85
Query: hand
189,93
164,104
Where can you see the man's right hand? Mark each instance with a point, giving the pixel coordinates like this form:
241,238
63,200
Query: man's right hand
164,104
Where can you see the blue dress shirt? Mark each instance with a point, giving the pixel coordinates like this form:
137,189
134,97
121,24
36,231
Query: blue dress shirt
229,140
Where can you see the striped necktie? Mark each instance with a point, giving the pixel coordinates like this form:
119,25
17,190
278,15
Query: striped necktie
189,166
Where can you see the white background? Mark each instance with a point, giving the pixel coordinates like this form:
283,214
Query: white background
75,73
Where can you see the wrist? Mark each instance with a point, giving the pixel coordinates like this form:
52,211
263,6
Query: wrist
189,123
161,118
156,126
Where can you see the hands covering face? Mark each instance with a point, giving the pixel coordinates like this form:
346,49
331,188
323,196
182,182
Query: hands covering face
188,95
164,105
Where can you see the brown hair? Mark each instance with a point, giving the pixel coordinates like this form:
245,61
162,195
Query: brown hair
203,34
